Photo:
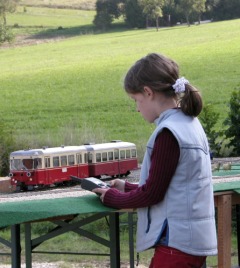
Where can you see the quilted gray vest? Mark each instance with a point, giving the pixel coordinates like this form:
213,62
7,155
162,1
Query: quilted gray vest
187,210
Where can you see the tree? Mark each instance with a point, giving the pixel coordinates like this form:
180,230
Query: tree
5,7
226,9
199,7
134,16
152,9
107,10
233,122
188,7
169,11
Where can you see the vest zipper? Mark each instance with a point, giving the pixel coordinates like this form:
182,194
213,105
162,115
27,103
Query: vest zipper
148,219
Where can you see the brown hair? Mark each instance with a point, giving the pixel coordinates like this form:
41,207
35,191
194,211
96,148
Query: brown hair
160,73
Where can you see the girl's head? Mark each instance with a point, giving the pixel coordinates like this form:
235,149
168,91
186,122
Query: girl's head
160,74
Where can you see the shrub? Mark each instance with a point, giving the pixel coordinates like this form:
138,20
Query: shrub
6,147
209,118
6,34
233,123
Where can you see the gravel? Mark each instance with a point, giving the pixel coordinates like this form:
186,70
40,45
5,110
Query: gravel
77,191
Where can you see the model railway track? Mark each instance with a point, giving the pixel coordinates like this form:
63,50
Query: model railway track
74,191
56,191
77,191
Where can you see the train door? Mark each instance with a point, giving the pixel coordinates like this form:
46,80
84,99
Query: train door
47,166
122,157
79,162
82,166
117,162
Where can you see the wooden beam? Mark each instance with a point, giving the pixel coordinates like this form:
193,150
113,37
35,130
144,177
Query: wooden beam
224,205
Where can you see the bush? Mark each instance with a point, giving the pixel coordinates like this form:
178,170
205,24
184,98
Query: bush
7,145
6,34
233,123
209,118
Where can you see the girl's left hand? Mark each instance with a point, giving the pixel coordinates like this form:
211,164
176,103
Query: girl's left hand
100,191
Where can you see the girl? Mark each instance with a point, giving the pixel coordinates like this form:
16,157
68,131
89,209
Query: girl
174,197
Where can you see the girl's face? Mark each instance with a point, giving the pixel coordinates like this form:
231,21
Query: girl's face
151,104
144,106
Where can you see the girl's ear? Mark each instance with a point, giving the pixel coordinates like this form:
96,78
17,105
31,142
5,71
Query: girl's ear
148,91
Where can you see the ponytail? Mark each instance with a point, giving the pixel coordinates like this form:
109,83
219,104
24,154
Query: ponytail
191,102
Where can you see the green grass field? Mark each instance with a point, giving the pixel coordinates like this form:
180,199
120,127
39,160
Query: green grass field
70,91
80,4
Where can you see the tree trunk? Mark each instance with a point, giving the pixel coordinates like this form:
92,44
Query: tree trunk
147,22
199,19
4,19
187,19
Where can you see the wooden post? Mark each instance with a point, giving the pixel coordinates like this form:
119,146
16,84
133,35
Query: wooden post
224,204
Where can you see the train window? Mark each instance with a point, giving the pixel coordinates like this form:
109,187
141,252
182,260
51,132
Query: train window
116,154
47,162
122,154
79,158
63,160
56,161
27,163
104,157
16,164
85,158
71,160
89,158
128,154
110,156
98,157
37,162
134,152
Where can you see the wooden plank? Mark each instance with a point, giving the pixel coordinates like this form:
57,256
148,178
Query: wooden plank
224,204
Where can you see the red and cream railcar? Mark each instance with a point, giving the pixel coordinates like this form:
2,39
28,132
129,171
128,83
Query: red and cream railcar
52,166
111,159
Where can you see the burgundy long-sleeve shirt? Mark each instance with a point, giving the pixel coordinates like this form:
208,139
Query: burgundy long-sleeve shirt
164,160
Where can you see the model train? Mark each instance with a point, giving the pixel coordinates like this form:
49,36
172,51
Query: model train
37,168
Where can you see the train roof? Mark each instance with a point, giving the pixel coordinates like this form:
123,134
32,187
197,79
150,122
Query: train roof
110,145
47,151
71,149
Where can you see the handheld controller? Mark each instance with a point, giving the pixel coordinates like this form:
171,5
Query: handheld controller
90,183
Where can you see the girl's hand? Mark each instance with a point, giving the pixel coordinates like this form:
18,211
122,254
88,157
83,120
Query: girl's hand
118,184
101,192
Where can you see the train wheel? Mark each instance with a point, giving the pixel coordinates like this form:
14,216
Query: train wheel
127,173
21,188
18,188
30,188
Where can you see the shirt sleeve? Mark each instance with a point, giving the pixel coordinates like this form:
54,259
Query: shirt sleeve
164,160
130,186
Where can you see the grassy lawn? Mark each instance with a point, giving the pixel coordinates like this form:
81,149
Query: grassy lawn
80,4
69,92
46,21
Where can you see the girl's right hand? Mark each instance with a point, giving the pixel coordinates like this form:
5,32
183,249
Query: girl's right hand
118,184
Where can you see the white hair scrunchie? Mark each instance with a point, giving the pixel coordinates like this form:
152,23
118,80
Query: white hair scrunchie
179,85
